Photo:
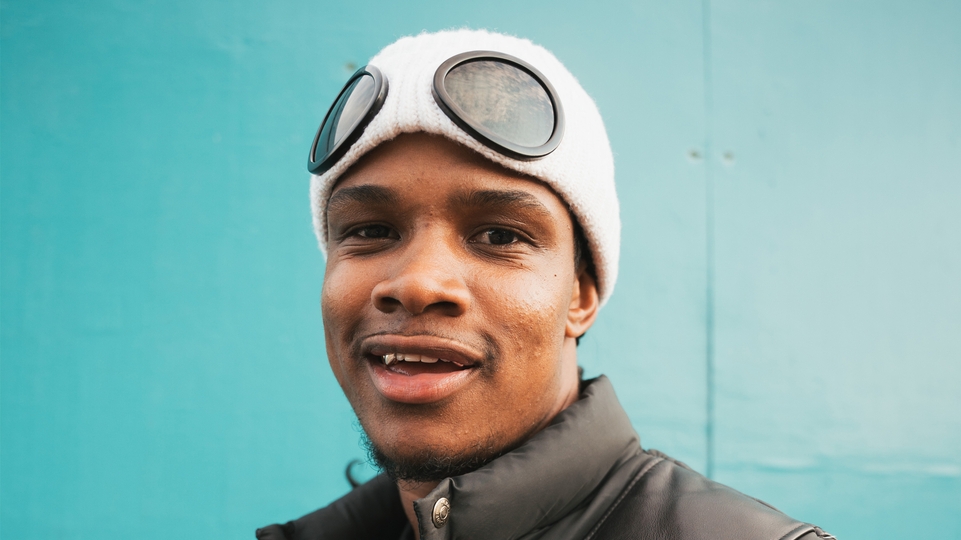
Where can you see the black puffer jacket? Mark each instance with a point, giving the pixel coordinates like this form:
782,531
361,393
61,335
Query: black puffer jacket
585,476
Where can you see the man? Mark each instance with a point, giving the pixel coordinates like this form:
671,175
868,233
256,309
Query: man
463,192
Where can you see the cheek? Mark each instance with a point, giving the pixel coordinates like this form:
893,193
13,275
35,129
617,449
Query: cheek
346,291
530,299
530,309
343,299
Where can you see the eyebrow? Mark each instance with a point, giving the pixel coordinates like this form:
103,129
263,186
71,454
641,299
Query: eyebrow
500,198
380,195
366,195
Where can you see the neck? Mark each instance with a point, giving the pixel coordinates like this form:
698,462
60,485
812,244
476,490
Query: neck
410,492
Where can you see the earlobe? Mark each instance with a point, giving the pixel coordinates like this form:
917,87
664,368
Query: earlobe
585,302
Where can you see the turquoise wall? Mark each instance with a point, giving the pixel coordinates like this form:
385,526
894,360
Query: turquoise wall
788,317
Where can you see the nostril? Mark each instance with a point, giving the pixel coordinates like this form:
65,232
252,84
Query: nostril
448,308
387,304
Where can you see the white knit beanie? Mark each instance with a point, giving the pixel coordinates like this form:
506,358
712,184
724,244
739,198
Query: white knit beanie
580,170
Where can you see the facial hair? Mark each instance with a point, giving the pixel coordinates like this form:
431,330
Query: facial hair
431,465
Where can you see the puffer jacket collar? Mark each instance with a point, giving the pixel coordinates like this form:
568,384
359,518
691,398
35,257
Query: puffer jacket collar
556,485
584,477
549,477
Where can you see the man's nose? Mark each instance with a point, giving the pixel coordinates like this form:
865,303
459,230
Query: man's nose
426,276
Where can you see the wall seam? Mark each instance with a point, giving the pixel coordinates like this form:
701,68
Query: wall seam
709,412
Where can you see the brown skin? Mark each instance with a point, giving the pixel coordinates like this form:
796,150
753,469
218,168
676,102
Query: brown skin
494,273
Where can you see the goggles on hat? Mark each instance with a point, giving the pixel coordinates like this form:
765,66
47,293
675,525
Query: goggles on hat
500,100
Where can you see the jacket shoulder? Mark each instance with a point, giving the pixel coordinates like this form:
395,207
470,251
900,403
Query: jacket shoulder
669,501
371,511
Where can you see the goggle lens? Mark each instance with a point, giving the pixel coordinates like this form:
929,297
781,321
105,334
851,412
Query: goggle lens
345,115
504,99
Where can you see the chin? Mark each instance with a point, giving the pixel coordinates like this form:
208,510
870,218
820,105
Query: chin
427,463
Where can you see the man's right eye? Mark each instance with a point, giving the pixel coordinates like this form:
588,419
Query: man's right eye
373,231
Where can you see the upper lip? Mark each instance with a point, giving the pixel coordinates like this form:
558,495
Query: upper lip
425,345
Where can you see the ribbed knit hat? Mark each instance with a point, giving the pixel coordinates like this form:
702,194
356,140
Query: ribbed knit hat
580,170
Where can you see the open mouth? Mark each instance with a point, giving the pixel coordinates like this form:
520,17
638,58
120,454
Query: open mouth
419,369
417,364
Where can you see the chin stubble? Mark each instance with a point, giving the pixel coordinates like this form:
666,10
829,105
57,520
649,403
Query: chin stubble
431,465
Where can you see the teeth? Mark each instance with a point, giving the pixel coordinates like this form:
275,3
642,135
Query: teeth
393,358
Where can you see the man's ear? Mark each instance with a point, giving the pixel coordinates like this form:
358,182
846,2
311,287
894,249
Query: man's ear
584,303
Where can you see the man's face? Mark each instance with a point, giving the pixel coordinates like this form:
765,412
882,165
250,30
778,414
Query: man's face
462,274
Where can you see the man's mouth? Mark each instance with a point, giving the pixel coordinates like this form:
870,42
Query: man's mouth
419,369
414,364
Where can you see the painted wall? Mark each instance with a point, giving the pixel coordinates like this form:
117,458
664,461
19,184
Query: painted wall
788,317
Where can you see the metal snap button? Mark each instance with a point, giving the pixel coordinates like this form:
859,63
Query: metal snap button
441,512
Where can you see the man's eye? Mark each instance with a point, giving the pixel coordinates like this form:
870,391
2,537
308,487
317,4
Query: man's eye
373,231
497,237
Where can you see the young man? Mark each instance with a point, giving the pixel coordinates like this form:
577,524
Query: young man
463,192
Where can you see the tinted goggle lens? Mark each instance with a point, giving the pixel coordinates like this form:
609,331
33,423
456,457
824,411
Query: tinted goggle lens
356,105
502,101
347,112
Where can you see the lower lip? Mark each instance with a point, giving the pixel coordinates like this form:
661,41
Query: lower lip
417,389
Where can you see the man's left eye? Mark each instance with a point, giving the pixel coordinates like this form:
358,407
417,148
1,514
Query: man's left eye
497,237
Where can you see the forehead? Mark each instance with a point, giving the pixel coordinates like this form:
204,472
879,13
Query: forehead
432,170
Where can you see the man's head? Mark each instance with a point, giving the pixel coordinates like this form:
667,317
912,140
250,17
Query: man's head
436,252
454,293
